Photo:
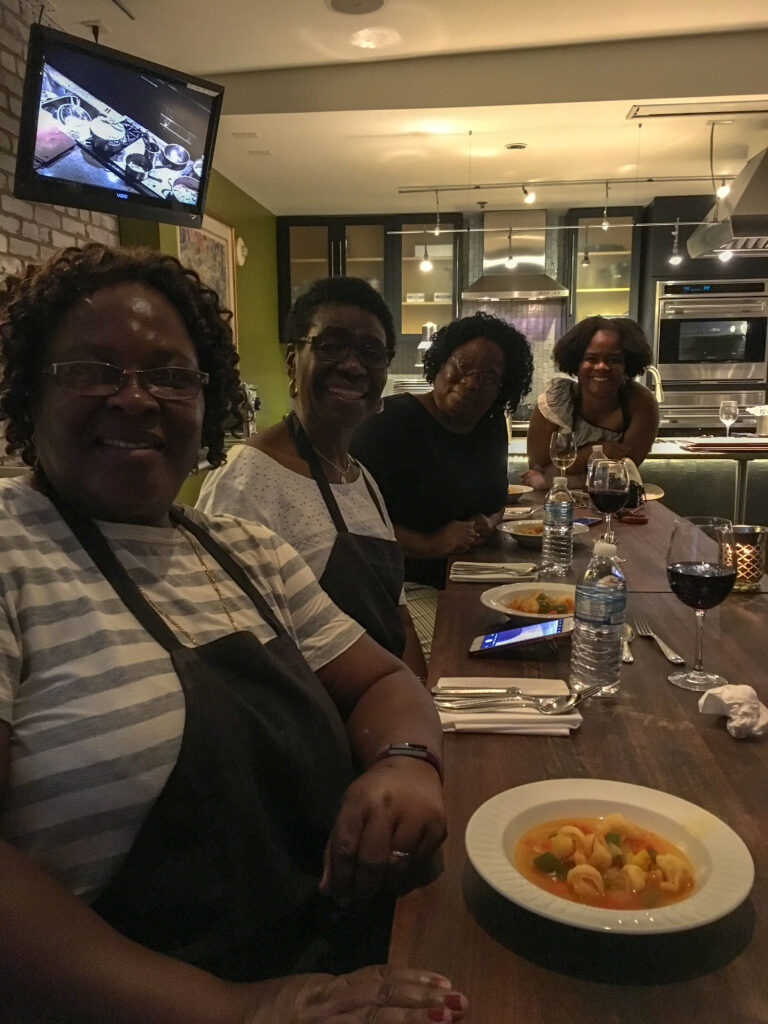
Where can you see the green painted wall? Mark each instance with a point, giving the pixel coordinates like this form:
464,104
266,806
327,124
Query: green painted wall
261,359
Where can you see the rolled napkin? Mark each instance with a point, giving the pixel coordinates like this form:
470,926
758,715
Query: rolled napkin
746,715
509,719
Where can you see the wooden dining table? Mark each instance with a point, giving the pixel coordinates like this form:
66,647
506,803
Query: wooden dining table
517,967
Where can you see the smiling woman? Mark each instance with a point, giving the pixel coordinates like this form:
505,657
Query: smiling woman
602,405
298,476
204,775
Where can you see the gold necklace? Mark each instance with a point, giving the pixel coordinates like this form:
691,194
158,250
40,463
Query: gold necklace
211,579
341,470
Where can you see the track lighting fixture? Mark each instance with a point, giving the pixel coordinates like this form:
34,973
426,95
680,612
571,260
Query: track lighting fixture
723,190
675,258
528,197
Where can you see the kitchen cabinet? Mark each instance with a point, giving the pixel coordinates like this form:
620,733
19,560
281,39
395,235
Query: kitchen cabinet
385,250
604,265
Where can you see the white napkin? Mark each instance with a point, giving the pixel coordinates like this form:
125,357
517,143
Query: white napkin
746,715
513,719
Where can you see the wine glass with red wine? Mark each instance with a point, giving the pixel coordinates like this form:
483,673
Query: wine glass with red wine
608,487
699,574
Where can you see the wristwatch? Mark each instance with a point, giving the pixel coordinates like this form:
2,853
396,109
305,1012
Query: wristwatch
417,750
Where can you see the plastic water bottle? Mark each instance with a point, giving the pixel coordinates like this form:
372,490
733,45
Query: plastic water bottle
601,599
557,539
596,455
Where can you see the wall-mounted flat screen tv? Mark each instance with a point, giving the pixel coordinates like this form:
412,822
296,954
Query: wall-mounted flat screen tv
101,130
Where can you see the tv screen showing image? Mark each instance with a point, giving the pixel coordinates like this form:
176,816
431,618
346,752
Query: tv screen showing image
101,130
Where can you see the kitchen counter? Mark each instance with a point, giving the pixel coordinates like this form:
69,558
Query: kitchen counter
703,483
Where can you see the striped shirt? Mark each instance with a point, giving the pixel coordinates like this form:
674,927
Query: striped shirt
95,707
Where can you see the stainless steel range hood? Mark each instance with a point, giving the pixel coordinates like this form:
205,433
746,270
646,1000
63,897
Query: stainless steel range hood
527,281
740,221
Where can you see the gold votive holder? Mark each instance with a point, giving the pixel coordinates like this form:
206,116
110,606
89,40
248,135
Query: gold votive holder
750,544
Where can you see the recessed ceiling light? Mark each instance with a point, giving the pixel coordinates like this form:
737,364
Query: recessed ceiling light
516,145
355,6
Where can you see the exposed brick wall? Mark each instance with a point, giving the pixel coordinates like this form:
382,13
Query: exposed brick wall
31,232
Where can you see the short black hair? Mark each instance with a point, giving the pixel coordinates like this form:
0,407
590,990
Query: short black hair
337,291
32,306
570,349
518,361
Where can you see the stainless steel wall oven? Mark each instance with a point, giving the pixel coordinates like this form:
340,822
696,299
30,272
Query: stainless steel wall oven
710,343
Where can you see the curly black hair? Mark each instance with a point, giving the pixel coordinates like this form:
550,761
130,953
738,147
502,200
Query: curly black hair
518,361
337,291
32,306
570,349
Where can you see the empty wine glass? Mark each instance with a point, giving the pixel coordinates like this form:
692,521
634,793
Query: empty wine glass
700,575
608,486
562,449
728,414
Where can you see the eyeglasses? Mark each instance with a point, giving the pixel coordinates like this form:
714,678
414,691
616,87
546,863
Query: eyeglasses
488,380
98,380
334,345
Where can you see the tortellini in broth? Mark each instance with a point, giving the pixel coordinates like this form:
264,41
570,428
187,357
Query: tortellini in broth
605,862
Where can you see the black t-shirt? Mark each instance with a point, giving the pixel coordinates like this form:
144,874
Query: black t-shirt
429,475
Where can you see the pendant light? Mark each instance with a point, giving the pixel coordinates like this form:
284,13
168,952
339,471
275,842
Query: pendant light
585,260
437,213
606,223
723,190
426,263
675,258
510,263
528,197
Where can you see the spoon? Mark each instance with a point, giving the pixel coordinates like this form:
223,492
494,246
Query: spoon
627,636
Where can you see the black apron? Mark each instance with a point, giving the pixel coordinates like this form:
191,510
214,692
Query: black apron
224,871
364,575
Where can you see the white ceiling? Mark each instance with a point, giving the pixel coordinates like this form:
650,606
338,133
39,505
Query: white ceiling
315,123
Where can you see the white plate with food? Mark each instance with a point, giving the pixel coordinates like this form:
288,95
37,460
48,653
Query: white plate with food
530,532
504,835
532,601
516,491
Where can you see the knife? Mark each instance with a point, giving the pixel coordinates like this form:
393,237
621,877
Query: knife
491,691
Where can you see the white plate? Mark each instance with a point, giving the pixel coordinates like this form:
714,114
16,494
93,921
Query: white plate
496,596
722,863
533,540
516,491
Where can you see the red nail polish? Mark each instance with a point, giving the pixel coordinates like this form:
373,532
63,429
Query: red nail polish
454,1001
437,1013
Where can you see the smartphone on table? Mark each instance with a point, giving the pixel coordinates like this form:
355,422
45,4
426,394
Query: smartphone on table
505,641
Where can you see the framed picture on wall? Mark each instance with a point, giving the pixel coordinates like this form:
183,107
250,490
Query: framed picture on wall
210,251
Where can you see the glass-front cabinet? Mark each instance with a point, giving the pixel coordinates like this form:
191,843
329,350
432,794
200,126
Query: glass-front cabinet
604,264
387,251
428,277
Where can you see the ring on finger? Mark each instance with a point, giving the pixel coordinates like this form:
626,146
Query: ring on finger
401,854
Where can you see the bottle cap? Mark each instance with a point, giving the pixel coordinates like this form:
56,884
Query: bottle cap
602,547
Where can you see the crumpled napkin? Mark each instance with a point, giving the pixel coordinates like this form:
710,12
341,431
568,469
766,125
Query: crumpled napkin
747,716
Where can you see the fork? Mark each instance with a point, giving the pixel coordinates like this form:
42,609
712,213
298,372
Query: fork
544,705
642,627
